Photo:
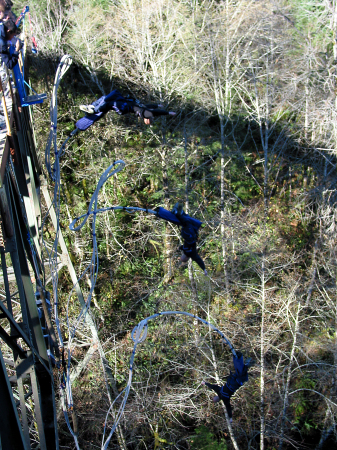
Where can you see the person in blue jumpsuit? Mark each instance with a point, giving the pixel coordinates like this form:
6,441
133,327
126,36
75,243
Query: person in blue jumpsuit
234,382
115,101
189,233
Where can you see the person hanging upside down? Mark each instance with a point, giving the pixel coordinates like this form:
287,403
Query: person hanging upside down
189,233
116,102
234,382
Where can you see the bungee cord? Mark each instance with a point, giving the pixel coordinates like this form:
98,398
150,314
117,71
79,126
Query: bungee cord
54,173
129,209
138,335
62,68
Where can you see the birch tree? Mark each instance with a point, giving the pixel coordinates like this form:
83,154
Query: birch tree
225,45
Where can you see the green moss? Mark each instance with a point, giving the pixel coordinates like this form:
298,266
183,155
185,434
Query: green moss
204,439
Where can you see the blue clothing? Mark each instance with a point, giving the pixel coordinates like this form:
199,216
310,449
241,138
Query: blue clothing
7,57
189,233
177,219
234,382
190,251
116,102
167,215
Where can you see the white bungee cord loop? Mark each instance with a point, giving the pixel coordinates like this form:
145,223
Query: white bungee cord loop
138,335
62,68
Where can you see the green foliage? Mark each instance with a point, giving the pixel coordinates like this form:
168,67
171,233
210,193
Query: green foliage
138,48
298,235
312,17
303,405
205,440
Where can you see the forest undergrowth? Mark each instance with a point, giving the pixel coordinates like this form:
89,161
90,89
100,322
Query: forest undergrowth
251,153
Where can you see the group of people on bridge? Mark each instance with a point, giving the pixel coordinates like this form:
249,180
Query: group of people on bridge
10,45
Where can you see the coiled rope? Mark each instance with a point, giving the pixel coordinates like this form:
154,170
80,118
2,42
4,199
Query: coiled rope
138,335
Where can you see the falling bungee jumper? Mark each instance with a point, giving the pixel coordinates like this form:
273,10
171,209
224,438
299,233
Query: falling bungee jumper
190,225
234,382
189,232
116,102
138,335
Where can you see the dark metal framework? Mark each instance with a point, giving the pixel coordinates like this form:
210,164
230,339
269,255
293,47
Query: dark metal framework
28,415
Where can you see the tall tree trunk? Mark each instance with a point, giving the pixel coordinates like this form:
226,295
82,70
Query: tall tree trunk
168,245
187,207
221,105
291,359
262,351
265,143
222,208
215,365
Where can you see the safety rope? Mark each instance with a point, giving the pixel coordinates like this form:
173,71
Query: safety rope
138,335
